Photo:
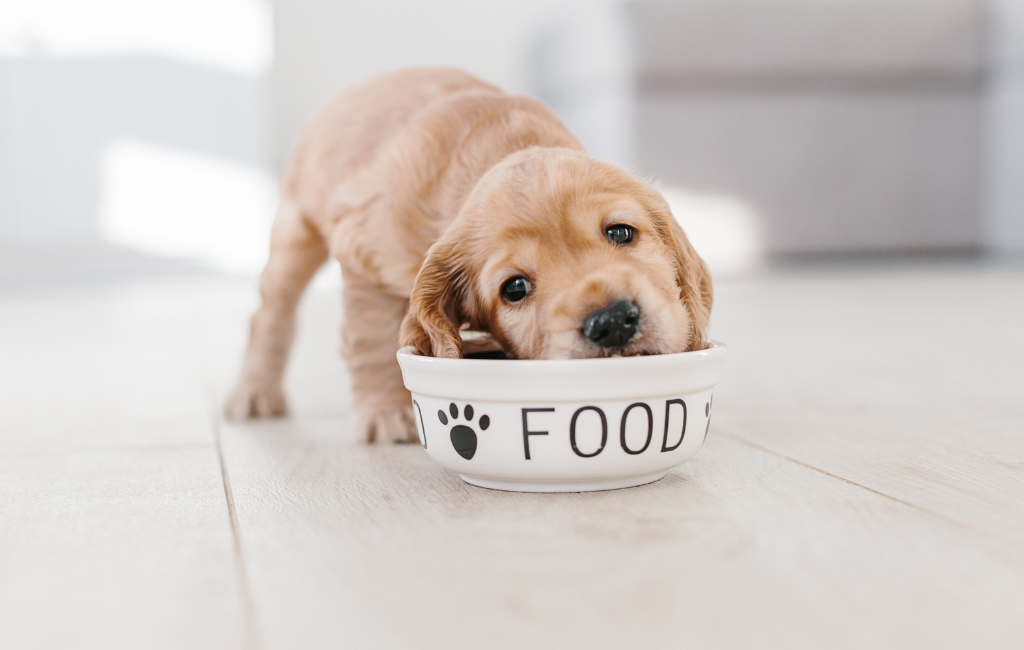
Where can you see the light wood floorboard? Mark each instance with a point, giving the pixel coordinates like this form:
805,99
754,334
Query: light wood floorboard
92,366
861,487
379,547
114,527
911,384
117,549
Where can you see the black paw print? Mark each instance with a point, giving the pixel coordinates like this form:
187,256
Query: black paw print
463,437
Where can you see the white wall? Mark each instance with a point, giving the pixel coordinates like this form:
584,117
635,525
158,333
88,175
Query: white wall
81,79
104,103
181,78
59,114
323,46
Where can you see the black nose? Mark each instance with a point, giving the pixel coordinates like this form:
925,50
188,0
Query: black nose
613,326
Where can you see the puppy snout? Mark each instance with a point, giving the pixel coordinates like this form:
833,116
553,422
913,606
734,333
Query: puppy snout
612,326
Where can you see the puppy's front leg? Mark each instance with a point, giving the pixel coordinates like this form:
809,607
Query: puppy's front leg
296,252
382,407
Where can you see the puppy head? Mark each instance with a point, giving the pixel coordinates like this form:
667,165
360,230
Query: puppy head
560,256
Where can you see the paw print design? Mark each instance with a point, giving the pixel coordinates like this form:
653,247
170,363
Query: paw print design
463,437
707,413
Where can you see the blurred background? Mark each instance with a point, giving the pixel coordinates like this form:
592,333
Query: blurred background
775,127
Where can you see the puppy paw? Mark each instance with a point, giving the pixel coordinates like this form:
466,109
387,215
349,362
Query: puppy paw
255,399
391,425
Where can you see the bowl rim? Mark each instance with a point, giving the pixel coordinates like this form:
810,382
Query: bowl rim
561,380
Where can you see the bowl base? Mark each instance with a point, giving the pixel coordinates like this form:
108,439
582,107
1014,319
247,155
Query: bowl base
589,485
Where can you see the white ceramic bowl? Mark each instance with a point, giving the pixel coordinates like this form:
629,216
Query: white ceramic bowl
563,426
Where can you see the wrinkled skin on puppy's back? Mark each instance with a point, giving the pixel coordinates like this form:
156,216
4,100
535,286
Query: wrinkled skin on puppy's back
350,131
415,144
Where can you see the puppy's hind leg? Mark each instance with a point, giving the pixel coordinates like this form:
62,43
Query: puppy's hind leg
296,252
382,407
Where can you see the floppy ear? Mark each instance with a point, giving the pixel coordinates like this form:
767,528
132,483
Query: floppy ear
694,283
432,323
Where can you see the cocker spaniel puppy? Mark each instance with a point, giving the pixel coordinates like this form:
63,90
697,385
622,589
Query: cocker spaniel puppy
452,205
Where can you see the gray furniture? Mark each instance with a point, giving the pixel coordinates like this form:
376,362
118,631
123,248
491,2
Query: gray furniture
850,126
1003,151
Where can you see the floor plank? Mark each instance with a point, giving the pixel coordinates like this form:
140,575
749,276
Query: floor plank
117,549
379,547
101,365
907,381
861,487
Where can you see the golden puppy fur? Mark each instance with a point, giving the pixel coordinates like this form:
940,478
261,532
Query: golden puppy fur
433,189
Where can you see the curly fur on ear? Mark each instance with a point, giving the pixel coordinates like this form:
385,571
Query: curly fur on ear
696,291
432,323
692,276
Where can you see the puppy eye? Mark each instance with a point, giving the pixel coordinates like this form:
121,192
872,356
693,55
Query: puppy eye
619,234
515,289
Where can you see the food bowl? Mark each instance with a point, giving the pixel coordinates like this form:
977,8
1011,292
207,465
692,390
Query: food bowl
566,425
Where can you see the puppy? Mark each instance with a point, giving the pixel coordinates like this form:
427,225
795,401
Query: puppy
451,206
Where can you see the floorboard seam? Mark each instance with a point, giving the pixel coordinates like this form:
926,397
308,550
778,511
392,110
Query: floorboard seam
118,449
1009,542
248,603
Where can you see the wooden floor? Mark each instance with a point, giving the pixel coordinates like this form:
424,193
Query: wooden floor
862,485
